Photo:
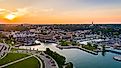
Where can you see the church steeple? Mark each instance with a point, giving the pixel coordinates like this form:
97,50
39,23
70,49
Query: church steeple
92,24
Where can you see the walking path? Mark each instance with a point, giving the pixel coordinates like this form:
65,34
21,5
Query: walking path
6,51
77,47
48,62
41,64
16,61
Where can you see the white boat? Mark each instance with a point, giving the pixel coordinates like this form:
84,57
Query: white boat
118,58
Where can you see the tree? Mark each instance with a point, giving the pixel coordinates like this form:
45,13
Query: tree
69,65
2,35
95,46
63,43
74,43
58,58
103,48
89,44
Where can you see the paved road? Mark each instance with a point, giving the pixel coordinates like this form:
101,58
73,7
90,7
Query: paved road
49,62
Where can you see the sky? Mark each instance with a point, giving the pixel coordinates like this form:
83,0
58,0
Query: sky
60,11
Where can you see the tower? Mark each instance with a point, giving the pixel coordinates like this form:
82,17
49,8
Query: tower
92,24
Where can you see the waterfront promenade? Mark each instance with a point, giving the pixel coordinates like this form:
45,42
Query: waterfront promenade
49,62
76,47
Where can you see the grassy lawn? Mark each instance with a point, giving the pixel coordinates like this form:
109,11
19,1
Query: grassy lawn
15,49
64,43
28,63
12,57
89,47
67,43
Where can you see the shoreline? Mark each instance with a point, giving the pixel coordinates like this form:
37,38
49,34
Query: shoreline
77,47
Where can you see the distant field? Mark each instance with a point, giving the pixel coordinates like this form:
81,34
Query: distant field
12,57
28,63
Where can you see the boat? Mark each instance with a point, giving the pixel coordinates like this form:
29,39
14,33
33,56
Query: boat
117,58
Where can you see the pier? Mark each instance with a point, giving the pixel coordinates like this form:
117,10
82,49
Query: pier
116,52
89,51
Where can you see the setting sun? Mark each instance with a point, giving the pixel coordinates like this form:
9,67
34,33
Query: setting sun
10,16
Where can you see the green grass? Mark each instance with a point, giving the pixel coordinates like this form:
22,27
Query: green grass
28,63
64,43
67,43
89,47
15,49
1,41
12,57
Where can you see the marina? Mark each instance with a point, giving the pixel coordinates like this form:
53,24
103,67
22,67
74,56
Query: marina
83,59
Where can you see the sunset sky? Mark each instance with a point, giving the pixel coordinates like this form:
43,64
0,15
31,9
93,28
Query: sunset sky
60,11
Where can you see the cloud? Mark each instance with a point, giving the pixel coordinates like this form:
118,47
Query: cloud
3,11
17,12
27,12
47,10
21,11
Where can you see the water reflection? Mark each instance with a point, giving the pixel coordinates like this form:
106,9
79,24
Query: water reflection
103,53
82,59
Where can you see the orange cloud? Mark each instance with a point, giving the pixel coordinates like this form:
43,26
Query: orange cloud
50,15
